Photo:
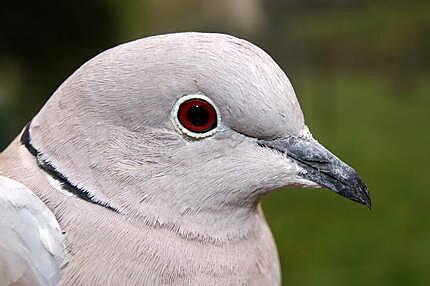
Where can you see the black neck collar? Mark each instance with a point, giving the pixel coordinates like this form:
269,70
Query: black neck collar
54,173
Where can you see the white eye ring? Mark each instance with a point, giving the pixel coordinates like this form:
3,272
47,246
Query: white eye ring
186,131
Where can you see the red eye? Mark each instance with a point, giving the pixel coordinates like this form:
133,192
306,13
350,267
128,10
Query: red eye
197,115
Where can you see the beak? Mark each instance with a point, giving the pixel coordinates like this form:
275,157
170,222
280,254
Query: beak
321,167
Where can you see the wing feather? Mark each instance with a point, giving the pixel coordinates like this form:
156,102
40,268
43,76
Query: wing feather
32,248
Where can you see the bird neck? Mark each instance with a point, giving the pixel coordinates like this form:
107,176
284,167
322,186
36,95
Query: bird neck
141,244
216,222
217,225
211,226
51,170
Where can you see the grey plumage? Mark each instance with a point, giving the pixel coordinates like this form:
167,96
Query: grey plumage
31,243
181,211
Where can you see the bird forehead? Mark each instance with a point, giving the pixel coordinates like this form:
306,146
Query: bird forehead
254,95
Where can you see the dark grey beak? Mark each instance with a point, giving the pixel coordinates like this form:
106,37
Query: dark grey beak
322,167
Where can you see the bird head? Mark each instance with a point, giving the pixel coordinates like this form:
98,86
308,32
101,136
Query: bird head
184,127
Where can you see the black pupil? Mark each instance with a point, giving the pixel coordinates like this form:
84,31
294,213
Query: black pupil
198,115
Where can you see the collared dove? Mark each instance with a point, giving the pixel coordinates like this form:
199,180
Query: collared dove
153,157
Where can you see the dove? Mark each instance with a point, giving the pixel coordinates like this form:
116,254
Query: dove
147,166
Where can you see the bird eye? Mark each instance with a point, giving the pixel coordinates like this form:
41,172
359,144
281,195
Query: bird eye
196,116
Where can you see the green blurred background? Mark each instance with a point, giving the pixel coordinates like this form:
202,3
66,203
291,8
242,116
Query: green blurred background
361,72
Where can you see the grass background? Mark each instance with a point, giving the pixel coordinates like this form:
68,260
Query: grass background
361,72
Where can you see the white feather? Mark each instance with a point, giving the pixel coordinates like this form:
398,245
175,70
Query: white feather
31,242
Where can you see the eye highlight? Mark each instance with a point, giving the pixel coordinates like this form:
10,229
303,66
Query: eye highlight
196,116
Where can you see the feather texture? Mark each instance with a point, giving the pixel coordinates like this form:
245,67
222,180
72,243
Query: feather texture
31,243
